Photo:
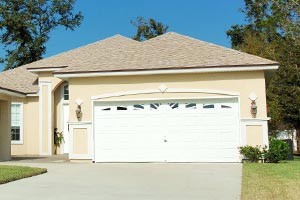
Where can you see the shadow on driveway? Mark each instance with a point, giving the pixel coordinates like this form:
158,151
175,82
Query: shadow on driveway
40,159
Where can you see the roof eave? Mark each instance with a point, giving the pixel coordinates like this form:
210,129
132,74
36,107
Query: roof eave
45,69
11,93
165,71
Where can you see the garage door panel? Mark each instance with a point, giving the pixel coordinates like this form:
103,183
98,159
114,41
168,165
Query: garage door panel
173,134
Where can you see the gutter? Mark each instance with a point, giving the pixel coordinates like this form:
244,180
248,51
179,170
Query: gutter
163,71
11,92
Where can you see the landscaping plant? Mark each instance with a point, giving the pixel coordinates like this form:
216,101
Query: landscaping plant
251,153
58,139
278,150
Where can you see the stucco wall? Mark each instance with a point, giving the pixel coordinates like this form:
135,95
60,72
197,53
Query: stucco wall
80,141
30,144
48,124
84,88
31,140
5,151
242,82
48,76
254,136
58,112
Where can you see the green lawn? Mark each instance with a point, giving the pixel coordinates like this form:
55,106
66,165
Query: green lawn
271,181
12,173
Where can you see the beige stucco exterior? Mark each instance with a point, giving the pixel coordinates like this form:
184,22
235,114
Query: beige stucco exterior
30,127
237,84
80,141
48,87
254,136
38,130
241,82
57,112
5,152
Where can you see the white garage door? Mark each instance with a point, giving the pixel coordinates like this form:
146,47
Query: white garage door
166,131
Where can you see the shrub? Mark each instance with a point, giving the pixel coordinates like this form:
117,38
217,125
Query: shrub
278,150
251,153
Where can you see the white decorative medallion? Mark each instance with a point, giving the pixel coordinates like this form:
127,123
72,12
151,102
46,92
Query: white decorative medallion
252,96
163,88
78,101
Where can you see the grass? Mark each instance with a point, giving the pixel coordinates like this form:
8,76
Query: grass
271,181
12,173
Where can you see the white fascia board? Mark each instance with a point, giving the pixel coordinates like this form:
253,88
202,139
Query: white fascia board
32,95
167,71
45,70
10,93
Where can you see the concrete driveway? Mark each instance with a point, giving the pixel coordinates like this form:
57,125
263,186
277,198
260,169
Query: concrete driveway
136,181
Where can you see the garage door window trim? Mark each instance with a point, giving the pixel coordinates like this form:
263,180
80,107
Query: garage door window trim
168,90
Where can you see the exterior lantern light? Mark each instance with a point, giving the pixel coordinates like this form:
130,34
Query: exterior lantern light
253,98
78,109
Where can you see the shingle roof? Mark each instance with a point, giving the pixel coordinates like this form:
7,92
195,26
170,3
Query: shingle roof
168,51
118,53
91,55
19,80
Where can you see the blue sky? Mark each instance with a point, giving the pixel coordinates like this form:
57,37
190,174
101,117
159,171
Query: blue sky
203,19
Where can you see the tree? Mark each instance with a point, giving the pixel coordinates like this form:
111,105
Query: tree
25,26
273,31
147,29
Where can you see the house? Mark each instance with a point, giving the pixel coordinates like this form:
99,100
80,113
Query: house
169,99
289,135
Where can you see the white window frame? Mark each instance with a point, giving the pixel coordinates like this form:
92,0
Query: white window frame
63,93
21,141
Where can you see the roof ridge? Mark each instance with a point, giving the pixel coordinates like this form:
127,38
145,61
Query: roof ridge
116,36
206,43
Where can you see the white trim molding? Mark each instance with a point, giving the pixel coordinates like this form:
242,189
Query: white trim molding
50,69
49,122
21,141
254,122
167,71
62,117
166,90
80,125
33,95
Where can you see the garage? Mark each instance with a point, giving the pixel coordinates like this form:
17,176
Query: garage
167,131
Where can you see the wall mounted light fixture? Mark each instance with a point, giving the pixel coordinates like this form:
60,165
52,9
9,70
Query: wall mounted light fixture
78,109
253,98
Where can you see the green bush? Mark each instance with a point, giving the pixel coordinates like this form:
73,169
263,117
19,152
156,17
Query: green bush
251,153
278,150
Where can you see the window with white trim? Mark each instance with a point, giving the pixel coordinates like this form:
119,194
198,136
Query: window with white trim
66,92
17,123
